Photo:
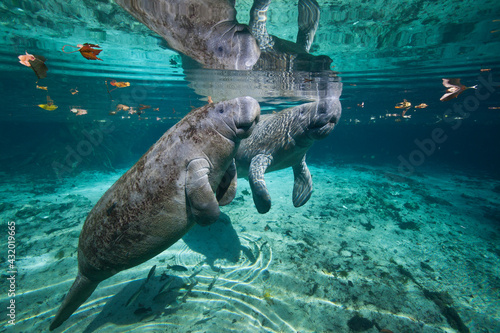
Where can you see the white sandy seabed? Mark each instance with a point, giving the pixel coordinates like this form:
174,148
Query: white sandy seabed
371,251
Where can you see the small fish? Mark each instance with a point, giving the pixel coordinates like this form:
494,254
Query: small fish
134,296
177,268
216,277
139,291
142,310
183,298
151,273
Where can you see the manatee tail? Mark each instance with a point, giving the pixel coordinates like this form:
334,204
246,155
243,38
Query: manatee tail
81,289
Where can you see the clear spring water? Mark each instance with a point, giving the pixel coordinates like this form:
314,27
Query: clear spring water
384,52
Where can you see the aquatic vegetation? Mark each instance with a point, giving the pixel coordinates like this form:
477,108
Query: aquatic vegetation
444,301
411,206
343,274
266,295
60,254
410,225
359,324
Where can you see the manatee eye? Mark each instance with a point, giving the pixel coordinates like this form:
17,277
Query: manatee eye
220,109
220,49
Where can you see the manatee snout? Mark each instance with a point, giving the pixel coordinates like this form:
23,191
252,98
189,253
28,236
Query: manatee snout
325,117
248,115
249,51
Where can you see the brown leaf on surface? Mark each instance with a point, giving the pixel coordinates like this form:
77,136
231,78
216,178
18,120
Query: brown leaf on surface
90,51
455,88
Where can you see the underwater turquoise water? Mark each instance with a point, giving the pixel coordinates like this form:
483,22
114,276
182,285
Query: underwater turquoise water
385,52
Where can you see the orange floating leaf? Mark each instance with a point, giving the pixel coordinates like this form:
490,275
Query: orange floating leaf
74,91
421,106
210,100
403,105
123,107
119,84
144,107
41,87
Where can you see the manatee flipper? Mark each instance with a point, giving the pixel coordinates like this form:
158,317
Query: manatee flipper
202,204
227,187
261,196
80,291
302,186
258,19
308,23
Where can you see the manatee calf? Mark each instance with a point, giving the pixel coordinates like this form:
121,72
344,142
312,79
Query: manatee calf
204,30
160,198
281,140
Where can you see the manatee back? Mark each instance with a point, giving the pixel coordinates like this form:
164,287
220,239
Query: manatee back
145,211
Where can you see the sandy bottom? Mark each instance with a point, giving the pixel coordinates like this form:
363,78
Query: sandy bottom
370,251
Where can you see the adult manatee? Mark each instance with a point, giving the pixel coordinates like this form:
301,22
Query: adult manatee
281,140
204,30
162,196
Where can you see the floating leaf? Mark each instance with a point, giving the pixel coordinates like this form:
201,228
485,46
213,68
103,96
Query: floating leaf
123,107
74,91
41,87
50,107
39,67
144,107
421,106
36,62
403,105
24,59
455,88
119,84
88,51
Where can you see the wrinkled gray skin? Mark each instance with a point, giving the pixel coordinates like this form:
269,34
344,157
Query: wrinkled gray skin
281,140
162,196
206,31
281,54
